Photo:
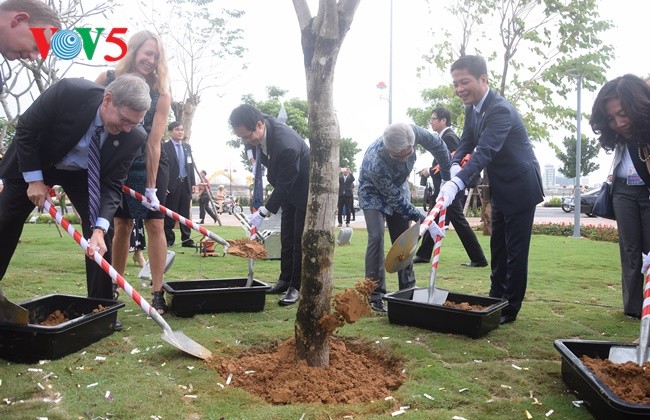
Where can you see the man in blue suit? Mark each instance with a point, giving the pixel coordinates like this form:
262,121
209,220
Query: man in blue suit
495,133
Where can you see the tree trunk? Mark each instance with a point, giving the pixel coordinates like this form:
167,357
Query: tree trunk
184,112
322,37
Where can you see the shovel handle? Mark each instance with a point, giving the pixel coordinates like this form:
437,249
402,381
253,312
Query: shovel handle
107,267
178,217
433,213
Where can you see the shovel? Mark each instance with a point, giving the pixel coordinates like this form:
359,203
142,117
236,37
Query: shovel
179,218
639,354
403,249
12,313
175,338
253,233
437,296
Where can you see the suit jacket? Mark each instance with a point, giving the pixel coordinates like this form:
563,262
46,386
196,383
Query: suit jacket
346,186
53,125
174,164
499,142
287,159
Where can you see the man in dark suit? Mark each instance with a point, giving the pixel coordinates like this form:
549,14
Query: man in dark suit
181,181
441,123
286,156
51,147
496,134
346,199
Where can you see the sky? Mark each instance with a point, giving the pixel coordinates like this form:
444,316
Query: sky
275,57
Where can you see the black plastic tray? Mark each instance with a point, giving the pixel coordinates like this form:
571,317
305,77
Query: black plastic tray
190,297
598,397
411,307
32,342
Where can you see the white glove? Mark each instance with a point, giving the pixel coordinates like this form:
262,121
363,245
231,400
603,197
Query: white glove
455,168
448,193
256,218
646,263
150,193
435,231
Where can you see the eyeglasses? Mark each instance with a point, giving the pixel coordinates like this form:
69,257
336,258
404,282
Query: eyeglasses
403,156
124,119
433,119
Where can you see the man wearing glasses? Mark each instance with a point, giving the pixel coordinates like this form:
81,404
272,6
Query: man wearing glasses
286,156
384,197
52,146
441,123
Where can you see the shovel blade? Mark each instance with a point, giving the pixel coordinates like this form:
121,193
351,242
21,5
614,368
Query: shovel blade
403,249
438,296
186,344
12,313
619,354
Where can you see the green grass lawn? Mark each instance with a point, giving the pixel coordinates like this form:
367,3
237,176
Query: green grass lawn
573,292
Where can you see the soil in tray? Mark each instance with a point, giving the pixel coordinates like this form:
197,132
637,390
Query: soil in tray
463,306
247,249
629,381
57,317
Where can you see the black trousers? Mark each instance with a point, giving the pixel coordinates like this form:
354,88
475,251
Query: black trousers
465,232
204,207
178,200
632,210
510,245
15,207
292,225
347,202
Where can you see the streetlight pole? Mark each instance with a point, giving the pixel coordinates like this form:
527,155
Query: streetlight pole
576,196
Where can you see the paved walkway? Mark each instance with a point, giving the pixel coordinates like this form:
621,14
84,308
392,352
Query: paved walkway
542,215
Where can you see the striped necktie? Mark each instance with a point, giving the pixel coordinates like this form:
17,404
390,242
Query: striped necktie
93,176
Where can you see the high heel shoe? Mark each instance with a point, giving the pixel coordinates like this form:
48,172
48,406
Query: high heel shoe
138,258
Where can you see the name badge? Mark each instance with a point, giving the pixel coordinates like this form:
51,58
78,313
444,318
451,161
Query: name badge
189,159
634,180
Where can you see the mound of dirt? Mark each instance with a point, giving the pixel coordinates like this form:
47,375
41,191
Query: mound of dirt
247,248
629,381
357,373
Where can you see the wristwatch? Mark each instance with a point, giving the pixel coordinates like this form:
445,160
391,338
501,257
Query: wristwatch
100,228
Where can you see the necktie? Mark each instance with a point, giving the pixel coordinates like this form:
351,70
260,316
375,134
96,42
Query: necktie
258,186
180,155
93,176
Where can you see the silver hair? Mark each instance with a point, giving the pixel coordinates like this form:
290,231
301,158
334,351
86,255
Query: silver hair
398,137
131,91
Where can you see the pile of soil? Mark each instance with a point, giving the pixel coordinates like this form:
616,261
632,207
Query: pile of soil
629,381
358,372
465,306
100,308
55,318
247,248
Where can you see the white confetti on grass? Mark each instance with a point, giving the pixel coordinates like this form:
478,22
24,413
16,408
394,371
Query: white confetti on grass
100,358
428,397
458,418
516,367
549,413
92,385
528,415
229,379
463,390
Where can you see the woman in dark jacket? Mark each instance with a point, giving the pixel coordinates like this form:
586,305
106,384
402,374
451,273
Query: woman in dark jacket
621,117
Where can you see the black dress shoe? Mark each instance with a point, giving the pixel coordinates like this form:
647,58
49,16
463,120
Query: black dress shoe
189,244
117,325
633,316
419,260
290,297
506,319
475,264
378,306
280,287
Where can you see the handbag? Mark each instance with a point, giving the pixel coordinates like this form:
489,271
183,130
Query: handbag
604,205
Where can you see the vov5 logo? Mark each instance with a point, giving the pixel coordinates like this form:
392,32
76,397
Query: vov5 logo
66,44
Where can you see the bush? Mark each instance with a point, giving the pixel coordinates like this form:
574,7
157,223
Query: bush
593,232
553,202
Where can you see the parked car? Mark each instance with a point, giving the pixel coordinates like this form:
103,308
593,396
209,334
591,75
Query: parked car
587,201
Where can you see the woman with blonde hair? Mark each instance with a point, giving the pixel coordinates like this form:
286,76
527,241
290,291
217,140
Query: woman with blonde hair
149,173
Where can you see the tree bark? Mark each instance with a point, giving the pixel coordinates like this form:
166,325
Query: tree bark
322,37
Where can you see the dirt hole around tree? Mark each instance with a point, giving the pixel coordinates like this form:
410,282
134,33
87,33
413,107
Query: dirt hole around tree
358,372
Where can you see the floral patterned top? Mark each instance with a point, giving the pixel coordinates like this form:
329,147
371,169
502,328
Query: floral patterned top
383,181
